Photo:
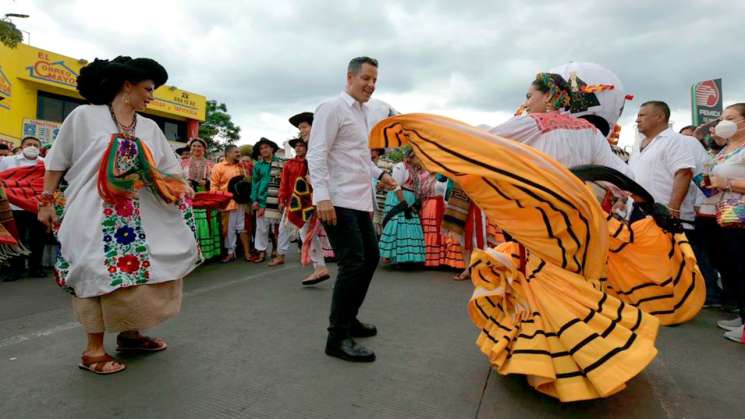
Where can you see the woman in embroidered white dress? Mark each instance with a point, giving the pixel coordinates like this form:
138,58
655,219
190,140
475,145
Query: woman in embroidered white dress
127,233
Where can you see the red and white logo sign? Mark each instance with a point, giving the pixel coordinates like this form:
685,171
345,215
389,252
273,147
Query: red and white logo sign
707,94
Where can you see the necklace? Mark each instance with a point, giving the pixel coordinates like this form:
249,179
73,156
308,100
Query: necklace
124,129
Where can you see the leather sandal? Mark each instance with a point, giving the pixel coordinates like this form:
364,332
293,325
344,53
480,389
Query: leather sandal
277,261
259,258
463,276
140,344
96,364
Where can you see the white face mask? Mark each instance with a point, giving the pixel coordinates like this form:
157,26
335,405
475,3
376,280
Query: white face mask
31,152
726,129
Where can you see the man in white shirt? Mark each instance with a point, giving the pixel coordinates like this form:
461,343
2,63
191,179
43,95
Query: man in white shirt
33,234
663,161
340,170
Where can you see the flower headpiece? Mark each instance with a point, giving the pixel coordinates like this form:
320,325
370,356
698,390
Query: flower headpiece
559,95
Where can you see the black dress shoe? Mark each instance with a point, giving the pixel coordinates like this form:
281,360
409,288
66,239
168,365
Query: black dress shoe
348,350
363,330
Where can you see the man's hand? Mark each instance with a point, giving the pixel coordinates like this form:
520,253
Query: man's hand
388,182
47,216
255,206
260,212
326,212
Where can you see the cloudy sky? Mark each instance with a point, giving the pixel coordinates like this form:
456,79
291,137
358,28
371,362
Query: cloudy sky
471,60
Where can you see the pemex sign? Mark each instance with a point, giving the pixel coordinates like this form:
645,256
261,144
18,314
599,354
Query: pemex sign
706,101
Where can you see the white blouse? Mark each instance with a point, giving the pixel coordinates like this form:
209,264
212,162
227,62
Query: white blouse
569,140
104,248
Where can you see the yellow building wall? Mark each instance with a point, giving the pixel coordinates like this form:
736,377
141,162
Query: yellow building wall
25,70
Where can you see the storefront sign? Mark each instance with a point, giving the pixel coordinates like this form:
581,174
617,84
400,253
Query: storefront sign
54,69
706,101
5,90
45,131
179,102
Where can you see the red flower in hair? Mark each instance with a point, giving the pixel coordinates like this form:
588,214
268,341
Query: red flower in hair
128,264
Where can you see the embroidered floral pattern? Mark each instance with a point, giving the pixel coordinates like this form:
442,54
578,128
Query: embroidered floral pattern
187,210
126,251
554,120
61,266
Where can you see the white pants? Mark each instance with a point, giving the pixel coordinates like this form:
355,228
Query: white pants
263,229
236,225
286,230
316,252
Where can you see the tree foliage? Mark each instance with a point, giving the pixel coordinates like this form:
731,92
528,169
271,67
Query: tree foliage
218,129
10,36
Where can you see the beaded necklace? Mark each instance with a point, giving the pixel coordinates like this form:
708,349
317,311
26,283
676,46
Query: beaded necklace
128,130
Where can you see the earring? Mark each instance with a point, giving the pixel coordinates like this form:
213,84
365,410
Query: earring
126,98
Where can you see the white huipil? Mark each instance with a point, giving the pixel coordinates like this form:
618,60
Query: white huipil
103,247
569,140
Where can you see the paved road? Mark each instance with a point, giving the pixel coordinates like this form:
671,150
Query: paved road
248,344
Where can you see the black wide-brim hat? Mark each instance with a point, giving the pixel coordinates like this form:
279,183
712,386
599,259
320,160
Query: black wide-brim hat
100,81
139,69
257,146
295,141
295,120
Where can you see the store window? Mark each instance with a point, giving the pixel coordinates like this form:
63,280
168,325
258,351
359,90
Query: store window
50,107
173,130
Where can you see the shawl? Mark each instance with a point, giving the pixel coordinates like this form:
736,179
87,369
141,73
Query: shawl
23,185
10,245
128,166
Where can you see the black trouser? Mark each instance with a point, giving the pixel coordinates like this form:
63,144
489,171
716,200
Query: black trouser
732,265
356,246
33,236
705,244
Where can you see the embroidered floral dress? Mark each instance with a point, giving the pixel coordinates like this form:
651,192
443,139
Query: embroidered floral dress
104,247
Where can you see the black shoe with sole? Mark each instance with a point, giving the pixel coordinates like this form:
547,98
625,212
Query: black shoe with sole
348,350
363,330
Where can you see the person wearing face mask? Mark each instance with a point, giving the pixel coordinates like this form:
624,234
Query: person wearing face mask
125,243
727,180
33,234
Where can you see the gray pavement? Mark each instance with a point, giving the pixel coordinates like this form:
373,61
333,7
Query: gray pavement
249,344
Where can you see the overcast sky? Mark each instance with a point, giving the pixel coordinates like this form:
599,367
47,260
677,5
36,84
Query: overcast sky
471,60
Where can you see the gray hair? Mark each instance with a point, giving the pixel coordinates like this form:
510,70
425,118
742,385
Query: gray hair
356,64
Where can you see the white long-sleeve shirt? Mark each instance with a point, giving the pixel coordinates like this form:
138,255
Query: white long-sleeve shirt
339,156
